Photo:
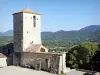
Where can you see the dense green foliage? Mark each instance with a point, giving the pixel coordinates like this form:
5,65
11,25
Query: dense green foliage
81,55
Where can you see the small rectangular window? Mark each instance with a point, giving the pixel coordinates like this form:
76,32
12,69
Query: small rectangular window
27,32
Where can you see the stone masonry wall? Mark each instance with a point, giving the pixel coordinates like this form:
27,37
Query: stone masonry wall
34,60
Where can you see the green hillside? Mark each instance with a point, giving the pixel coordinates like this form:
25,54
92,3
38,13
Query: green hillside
63,40
5,40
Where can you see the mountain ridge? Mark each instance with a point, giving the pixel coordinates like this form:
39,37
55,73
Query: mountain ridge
64,38
90,28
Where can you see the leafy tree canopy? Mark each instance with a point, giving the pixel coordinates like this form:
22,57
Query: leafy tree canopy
81,54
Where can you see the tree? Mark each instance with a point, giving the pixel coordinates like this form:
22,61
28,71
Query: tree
80,55
92,47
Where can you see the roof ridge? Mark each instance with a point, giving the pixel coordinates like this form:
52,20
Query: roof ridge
27,10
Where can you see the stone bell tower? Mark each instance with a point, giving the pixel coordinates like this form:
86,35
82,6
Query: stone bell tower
26,25
26,29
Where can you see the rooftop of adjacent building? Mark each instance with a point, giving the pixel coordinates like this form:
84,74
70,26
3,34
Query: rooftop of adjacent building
2,55
26,10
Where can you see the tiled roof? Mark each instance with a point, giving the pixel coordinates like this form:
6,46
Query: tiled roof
2,55
33,48
26,10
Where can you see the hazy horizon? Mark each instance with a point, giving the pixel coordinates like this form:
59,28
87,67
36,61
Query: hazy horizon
56,14
55,31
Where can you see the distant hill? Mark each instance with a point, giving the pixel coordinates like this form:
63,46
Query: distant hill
87,31
7,33
88,34
1,34
66,38
91,28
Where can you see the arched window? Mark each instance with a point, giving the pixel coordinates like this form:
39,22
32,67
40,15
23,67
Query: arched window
34,21
42,50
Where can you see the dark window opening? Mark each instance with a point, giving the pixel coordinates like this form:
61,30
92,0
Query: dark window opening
9,51
34,21
46,60
27,31
42,50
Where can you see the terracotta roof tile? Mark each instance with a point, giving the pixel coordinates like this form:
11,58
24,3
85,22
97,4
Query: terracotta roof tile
2,55
26,10
33,48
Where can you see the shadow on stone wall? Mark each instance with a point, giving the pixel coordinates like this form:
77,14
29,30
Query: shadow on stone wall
9,61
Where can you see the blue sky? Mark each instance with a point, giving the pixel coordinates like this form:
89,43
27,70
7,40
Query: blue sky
56,14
